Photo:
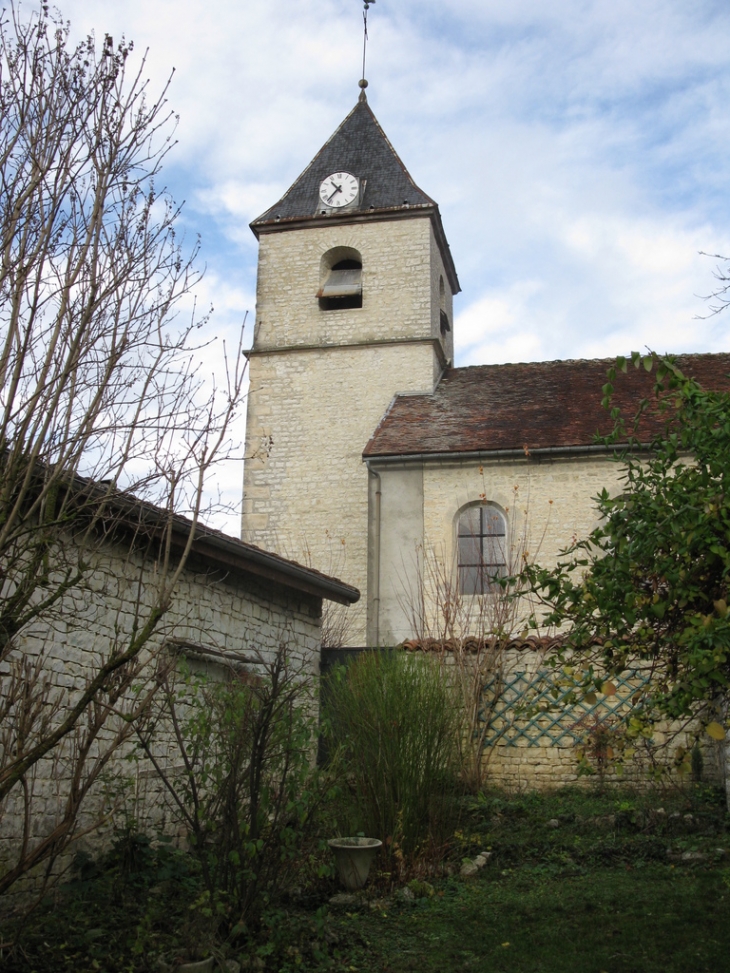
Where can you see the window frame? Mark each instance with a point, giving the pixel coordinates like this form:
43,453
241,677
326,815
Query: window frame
473,574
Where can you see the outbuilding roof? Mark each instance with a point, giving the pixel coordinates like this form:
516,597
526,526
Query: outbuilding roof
124,514
525,407
229,552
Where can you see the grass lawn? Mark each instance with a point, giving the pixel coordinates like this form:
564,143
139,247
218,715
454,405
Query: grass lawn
529,921
577,882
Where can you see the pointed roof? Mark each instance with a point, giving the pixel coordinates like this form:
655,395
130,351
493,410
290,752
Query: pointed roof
361,147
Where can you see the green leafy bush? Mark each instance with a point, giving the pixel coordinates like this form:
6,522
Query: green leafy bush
396,720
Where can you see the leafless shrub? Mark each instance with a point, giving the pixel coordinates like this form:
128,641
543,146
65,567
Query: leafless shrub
471,632
242,782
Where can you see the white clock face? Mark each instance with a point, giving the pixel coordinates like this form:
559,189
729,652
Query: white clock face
339,189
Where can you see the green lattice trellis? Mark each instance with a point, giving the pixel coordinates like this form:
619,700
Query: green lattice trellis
537,708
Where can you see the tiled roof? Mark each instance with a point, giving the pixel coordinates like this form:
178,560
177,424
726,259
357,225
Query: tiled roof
361,147
471,645
538,405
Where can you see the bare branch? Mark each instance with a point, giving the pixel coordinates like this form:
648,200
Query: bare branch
103,407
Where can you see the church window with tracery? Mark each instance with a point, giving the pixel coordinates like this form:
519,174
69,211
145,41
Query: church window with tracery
482,540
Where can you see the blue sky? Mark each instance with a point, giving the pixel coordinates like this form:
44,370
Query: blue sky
578,150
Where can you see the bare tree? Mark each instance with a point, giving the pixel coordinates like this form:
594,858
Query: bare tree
100,397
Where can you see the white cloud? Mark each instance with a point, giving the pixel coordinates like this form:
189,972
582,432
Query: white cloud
578,149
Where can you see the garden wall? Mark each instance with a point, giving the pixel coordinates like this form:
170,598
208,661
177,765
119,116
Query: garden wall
540,734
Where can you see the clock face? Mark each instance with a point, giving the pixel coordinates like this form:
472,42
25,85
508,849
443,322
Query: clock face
339,189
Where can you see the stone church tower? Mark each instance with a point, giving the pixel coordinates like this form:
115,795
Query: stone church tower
353,305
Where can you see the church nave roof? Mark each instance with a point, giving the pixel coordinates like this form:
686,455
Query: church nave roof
525,407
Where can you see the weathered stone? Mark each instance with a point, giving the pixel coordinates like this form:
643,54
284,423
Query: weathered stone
345,900
197,966
687,857
469,869
226,614
333,359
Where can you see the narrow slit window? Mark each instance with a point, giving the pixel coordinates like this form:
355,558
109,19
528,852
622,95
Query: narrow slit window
444,324
482,549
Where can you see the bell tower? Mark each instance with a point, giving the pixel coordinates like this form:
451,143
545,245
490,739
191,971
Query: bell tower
353,305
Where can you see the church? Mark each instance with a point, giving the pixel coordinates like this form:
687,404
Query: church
369,454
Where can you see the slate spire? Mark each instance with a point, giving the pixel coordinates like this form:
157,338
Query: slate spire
361,147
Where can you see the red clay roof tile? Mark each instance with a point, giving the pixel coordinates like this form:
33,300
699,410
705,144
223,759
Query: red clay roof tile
529,406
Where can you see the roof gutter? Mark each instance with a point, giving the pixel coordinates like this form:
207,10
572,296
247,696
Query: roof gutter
487,454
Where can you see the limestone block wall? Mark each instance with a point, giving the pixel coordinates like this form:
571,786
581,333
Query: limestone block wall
322,379
305,494
235,615
441,299
528,745
547,503
530,761
401,265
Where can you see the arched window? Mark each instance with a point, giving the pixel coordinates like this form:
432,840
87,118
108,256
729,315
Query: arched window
482,549
341,279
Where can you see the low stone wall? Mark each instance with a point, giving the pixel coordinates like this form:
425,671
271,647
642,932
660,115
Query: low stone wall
537,736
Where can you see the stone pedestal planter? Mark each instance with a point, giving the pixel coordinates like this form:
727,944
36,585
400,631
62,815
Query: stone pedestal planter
354,857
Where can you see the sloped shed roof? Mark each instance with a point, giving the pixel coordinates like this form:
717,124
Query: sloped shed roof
126,515
536,405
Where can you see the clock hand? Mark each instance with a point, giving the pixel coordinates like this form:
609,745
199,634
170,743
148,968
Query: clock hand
338,189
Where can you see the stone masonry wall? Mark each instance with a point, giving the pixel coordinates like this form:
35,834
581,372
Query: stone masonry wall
547,503
531,761
306,498
232,613
530,745
311,410
400,271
